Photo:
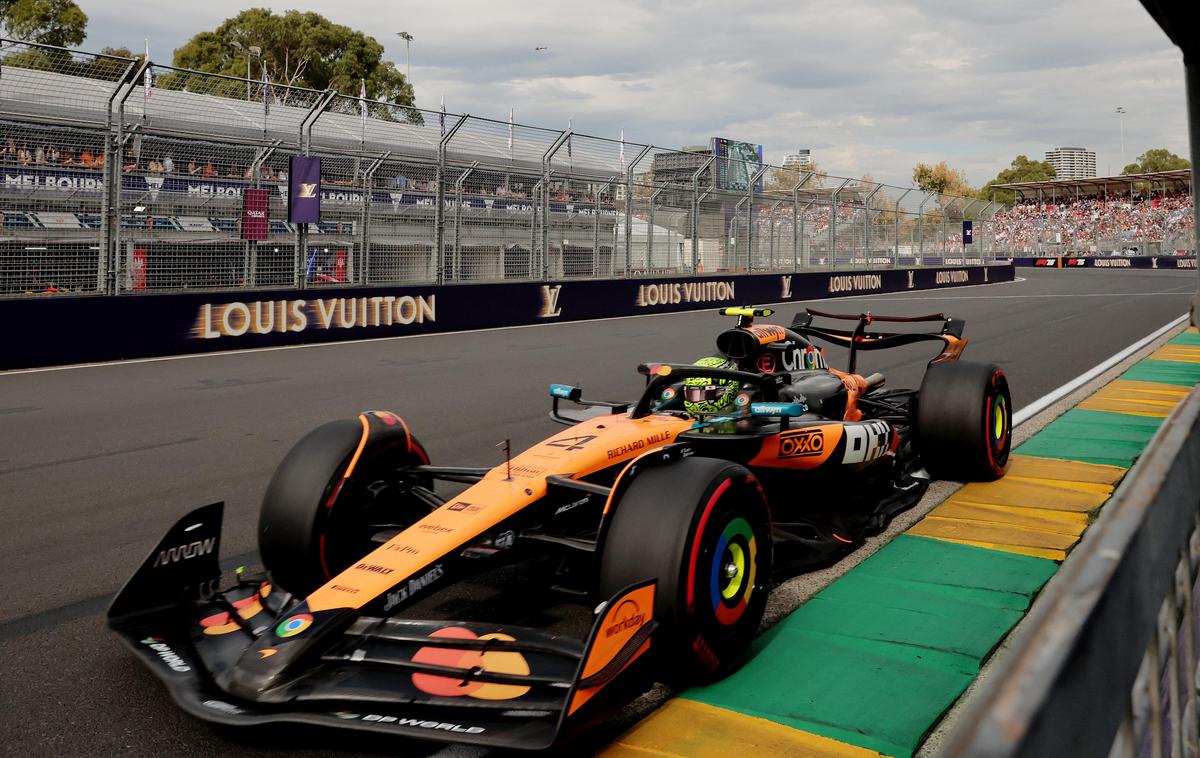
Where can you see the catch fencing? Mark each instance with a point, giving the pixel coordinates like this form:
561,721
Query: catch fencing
124,176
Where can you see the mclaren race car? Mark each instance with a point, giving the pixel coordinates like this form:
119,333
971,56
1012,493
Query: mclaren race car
663,521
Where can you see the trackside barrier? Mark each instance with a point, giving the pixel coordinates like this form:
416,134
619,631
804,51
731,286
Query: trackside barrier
57,331
1154,262
1106,663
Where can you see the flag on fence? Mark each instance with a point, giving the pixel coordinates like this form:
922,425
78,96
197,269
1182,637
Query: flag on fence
510,125
266,92
569,127
622,147
442,116
362,101
147,77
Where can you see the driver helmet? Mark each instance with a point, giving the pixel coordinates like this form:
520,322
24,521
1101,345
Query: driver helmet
704,396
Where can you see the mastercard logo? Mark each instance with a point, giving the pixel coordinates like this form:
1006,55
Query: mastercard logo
498,662
292,626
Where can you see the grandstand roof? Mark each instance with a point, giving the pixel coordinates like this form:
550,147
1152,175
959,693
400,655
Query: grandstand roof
1181,178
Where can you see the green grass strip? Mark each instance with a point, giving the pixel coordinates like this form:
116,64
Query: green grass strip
880,654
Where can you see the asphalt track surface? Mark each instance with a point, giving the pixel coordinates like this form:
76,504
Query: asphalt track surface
97,462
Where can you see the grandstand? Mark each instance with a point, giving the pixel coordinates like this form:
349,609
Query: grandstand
1138,214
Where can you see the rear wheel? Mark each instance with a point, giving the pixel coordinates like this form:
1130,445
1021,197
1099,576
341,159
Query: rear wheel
701,529
964,422
338,487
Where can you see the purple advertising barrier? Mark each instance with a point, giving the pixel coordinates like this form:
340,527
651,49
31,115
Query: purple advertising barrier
255,203
304,190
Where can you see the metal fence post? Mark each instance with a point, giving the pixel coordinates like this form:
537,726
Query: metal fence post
896,255
456,261
921,230
110,198
750,221
546,158
962,242
439,215
833,207
629,208
867,225
112,174
696,210
606,188
365,222
299,260
796,221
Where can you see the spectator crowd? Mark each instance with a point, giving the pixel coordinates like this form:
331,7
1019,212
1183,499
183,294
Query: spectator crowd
1083,225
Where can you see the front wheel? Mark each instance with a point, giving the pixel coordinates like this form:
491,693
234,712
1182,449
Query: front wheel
701,528
964,422
336,489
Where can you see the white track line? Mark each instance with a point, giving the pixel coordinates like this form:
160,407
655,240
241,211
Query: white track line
1045,401
345,343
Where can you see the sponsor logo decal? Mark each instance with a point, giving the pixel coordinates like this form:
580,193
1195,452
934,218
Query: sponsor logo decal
570,506
627,616
866,442
221,705
550,295
374,569
168,656
418,723
396,547
307,190
294,625
912,275
1112,263
684,292
413,586
638,445
1045,262
217,320
435,528
951,277
855,283
464,506
801,443
496,661
266,652
184,552
1184,262
706,654
786,281
766,363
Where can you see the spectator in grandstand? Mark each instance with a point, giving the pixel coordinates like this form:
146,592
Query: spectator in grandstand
9,151
24,156
193,168
209,170
86,159
168,165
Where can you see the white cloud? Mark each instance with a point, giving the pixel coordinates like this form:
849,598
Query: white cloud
871,86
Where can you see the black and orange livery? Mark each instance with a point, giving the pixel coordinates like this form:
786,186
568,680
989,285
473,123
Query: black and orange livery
662,530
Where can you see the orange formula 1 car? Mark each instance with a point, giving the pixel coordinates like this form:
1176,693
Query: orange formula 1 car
664,525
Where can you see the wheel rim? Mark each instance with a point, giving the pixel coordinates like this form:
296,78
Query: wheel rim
998,428
732,571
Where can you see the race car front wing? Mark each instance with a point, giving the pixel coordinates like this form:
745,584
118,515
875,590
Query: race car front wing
468,682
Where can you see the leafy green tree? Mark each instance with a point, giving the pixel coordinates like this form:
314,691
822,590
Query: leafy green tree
942,179
50,22
299,50
1022,169
1157,159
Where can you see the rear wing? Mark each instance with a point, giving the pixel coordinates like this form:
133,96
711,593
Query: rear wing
858,338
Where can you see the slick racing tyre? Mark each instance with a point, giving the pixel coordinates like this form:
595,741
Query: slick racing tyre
701,528
964,422
339,486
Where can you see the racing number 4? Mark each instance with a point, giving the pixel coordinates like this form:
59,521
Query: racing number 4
572,443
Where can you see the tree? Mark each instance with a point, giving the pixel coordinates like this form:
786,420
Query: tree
298,50
1020,170
941,179
1158,159
50,22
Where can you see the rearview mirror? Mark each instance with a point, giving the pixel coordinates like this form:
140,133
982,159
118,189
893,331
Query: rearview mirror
565,392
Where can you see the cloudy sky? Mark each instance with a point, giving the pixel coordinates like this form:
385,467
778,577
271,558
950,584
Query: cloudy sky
870,86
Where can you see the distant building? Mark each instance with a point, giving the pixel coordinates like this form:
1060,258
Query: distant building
802,159
1072,162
